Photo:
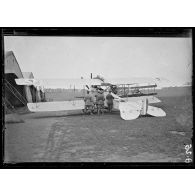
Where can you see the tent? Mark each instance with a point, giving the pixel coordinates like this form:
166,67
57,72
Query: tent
15,95
35,92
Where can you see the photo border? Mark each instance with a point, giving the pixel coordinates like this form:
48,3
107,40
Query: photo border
93,32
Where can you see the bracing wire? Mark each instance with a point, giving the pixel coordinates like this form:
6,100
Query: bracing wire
14,89
11,90
14,94
5,101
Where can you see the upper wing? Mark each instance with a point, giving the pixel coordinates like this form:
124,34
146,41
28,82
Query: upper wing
60,83
70,83
132,80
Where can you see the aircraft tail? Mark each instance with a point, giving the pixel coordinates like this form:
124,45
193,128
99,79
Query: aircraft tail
132,110
154,111
151,110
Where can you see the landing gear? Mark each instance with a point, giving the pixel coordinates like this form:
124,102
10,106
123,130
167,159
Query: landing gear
88,110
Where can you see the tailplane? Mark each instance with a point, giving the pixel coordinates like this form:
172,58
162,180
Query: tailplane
154,111
132,110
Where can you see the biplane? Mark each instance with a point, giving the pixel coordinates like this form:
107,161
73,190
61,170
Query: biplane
132,100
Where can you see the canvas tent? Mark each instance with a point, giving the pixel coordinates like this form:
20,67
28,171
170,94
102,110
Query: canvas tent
28,75
15,95
37,94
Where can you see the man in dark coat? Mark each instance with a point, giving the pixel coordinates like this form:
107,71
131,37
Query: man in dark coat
100,101
109,99
88,103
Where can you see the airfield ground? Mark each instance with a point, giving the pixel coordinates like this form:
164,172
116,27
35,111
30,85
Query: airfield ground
73,137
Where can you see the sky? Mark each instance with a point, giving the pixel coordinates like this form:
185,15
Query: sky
111,57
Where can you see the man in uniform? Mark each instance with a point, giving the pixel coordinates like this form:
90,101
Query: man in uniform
109,99
88,103
100,102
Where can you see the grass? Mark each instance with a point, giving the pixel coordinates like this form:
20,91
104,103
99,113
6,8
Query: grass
106,138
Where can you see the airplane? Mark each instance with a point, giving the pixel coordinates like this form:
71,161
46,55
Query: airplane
132,100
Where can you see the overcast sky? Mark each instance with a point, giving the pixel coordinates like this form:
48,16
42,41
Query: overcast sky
111,57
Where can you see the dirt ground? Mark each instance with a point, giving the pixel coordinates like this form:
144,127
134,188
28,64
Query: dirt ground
74,137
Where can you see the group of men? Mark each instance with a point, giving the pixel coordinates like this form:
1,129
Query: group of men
93,102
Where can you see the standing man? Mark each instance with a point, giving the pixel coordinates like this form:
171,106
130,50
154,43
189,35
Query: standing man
109,99
100,102
93,100
88,103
